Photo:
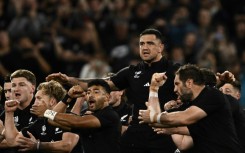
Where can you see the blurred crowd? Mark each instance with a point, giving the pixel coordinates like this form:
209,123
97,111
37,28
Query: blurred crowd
88,38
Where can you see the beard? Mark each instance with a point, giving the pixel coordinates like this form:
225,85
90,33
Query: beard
186,96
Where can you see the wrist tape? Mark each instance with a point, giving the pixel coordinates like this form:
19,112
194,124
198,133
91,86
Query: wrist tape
50,114
153,94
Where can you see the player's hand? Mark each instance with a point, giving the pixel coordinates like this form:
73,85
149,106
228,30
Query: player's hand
39,108
27,144
225,77
162,131
59,77
144,116
172,104
158,79
76,91
11,105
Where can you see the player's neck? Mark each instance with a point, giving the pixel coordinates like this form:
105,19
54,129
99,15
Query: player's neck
197,89
116,103
158,58
25,104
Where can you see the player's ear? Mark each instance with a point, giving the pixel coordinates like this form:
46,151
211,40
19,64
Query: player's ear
189,83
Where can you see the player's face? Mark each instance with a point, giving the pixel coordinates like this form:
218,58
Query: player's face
7,90
41,97
150,48
115,96
96,98
22,89
230,90
185,94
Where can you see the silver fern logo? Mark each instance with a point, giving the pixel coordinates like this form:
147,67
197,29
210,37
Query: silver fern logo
30,121
16,120
57,131
43,130
136,74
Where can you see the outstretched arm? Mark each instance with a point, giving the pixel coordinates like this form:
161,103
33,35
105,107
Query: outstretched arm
68,142
183,130
180,136
64,79
67,120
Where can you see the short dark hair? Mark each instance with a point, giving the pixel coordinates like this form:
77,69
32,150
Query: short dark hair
7,78
153,31
236,84
100,82
190,71
24,73
209,77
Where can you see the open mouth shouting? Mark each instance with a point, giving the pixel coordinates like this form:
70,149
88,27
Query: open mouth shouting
91,104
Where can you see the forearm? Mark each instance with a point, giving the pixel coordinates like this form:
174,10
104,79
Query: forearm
72,120
68,142
183,130
2,133
54,147
76,81
154,100
60,107
10,130
168,120
182,142
76,109
68,120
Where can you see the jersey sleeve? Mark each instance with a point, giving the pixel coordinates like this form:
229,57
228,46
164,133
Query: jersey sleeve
120,80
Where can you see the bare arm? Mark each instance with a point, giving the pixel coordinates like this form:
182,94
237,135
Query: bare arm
183,142
2,131
64,79
68,142
76,109
10,130
180,118
180,136
66,120
75,121
183,130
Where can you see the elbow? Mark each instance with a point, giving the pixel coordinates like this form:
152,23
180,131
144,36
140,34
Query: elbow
67,147
182,148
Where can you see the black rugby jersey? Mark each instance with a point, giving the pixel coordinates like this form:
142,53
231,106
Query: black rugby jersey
22,118
136,80
43,131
